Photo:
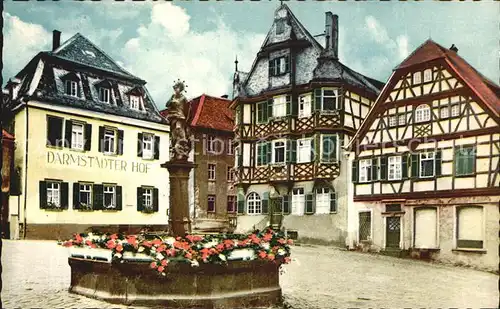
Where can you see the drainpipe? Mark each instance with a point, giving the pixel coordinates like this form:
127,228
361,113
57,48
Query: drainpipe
25,173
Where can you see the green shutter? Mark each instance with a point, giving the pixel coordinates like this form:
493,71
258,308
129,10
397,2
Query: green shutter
340,99
67,133
269,109
317,99
259,154
265,202
101,139
155,199
269,149
140,205
139,144
241,203
291,147
272,65
404,166
333,202
414,165
335,145
287,64
286,204
438,157
119,198
120,142
42,188
76,195
288,105
309,203
355,173
374,169
98,197
54,130
313,150
383,168
157,147
471,158
88,137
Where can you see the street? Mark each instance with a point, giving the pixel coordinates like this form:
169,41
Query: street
36,274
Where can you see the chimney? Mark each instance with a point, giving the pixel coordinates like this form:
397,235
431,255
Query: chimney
454,48
335,36
224,96
328,29
332,33
56,39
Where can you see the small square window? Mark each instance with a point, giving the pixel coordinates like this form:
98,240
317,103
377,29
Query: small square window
86,195
147,146
230,174
417,78
393,121
280,26
427,75
54,194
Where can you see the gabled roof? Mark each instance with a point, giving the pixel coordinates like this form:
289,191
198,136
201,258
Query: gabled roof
81,50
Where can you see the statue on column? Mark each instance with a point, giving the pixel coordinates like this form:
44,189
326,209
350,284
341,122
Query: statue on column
178,115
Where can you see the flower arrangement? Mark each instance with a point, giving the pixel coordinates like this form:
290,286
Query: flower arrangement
266,245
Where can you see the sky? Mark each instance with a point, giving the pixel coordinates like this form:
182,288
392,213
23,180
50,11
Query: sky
198,41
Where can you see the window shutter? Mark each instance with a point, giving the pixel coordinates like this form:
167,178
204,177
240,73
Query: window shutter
139,144
317,99
263,107
287,64
155,199
383,168
76,196
288,105
54,130
265,203
64,195
269,109
119,198
438,162
414,165
374,169
42,187
404,166
271,67
101,139
340,100
286,204
313,150
291,147
88,136
98,197
335,144
67,133
269,152
157,147
295,105
140,205
355,175
241,203
120,142
333,202
309,203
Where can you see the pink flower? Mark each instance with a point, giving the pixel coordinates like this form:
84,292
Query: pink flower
262,254
267,237
287,260
164,262
160,269
111,244
119,248
153,265
220,247
290,242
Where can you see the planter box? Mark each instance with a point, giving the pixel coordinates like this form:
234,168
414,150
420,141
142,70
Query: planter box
91,254
240,284
140,257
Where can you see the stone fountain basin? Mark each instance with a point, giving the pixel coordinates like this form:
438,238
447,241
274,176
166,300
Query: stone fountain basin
239,284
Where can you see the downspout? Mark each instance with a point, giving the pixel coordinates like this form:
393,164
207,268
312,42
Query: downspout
25,173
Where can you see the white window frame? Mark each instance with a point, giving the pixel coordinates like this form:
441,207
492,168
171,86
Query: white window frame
148,141
112,139
335,95
254,204
305,105
304,143
298,201
428,75
424,157
322,195
455,110
396,166
109,189
54,193
273,154
210,143
282,65
73,88
85,188
230,174
402,119
365,169
230,148
417,78
444,112
423,113
279,106
337,151
212,167
393,120
457,227
77,135
104,95
135,102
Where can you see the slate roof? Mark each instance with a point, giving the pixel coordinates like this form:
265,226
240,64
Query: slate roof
41,80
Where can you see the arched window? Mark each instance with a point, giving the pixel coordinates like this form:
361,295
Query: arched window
254,204
423,113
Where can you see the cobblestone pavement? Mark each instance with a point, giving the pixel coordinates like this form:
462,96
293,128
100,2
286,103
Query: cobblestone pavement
36,275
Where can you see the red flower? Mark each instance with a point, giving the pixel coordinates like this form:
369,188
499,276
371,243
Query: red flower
132,240
256,240
147,244
228,243
88,242
110,244
161,248
68,243
220,247
164,262
153,265
93,246
262,254
271,257
114,236
188,255
156,242
119,248
160,269
282,241
290,242
267,237
170,252
287,260
78,238
205,253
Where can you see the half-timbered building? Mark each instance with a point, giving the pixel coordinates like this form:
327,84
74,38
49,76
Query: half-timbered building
295,109
89,143
426,162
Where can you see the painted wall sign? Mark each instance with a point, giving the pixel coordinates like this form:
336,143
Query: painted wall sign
97,162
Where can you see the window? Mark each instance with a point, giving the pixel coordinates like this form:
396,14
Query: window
298,201
279,151
147,146
261,153
425,227
210,143
54,131
147,198
279,66
444,112
465,160
280,26
427,75
329,99
402,119
417,78
455,110
71,88
109,141
211,203
422,113
329,148
77,136
109,196
211,171
279,106
393,121
323,200
304,105
254,204
85,195
365,170
230,174
394,168
470,229
231,203
104,95
54,194
365,225
262,116
427,164
304,150
134,102
230,148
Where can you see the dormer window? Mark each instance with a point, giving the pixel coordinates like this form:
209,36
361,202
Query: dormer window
280,26
279,66
134,102
104,95
71,88
134,97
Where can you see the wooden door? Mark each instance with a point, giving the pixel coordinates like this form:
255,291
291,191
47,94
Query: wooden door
392,232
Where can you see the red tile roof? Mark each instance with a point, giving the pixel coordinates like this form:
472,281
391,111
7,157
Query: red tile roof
210,112
6,135
482,87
